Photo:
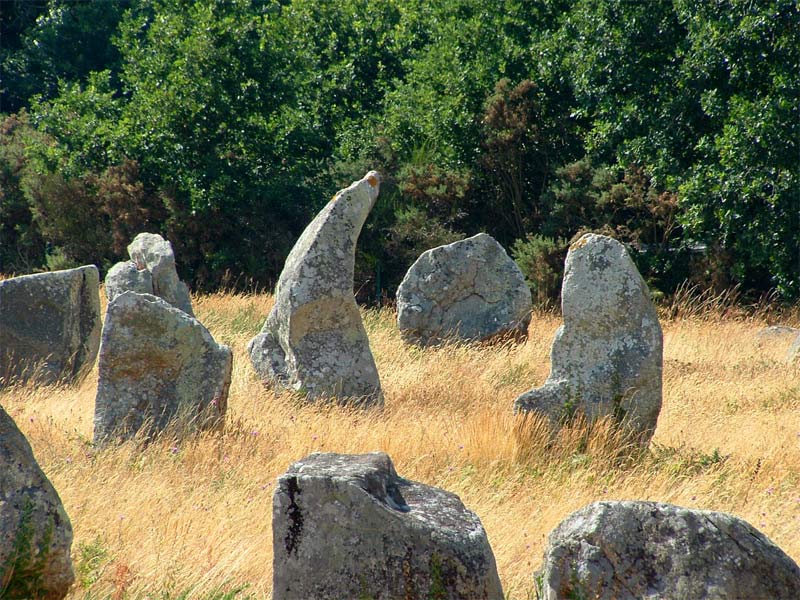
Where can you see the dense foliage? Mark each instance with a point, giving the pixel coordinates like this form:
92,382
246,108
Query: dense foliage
225,124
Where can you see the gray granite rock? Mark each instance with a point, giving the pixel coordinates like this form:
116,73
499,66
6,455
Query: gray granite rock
125,277
313,340
648,550
151,270
49,325
469,290
346,526
35,532
157,366
606,358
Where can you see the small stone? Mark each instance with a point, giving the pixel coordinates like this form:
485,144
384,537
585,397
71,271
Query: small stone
470,290
313,340
346,526
635,550
35,531
606,359
49,325
152,253
793,355
125,277
157,365
777,333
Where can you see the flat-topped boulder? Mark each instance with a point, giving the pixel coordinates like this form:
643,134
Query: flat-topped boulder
313,340
346,526
151,270
49,325
158,366
606,358
470,290
635,550
35,531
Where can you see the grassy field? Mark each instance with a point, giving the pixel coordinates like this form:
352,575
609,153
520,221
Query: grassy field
192,519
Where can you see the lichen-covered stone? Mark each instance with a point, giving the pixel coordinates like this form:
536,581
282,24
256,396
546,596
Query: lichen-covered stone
35,532
126,277
49,325
151,270
157,365
313,340
606,359
649,550
469,290
346,526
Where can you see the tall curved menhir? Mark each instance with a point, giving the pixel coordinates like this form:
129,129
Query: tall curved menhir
313,340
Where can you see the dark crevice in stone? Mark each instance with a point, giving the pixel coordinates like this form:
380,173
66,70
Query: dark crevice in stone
295,518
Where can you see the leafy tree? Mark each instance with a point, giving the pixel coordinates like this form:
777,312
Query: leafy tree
48,41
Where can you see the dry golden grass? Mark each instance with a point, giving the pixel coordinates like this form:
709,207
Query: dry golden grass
192,519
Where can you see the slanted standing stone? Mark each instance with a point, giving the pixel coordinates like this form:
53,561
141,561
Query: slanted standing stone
606,358
469,290
151,270
49,325
35,532
313,340
346,526
157,364
635,550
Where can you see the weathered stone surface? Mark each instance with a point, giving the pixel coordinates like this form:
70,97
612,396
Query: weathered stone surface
313,340
49,325
152,253
469,290
125,277
346,526
35,532
157,364
648,550
606,358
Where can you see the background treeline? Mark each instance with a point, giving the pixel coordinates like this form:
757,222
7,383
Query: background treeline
226,124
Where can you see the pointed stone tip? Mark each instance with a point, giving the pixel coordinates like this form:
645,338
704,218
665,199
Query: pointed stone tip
373,178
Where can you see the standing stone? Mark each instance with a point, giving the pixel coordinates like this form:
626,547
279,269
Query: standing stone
468,290
35,532
49,325
157,365
606,358
313,340
151,270
349,527
635,550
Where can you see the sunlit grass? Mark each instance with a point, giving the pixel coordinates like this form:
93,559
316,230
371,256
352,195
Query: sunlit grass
192,518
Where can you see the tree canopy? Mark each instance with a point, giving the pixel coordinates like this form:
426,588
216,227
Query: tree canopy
225,124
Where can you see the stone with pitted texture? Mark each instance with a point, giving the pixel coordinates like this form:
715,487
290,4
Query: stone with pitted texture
649,550
35,532
158,366
49,325
313,340
469,290
151,270
346,526
606,358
